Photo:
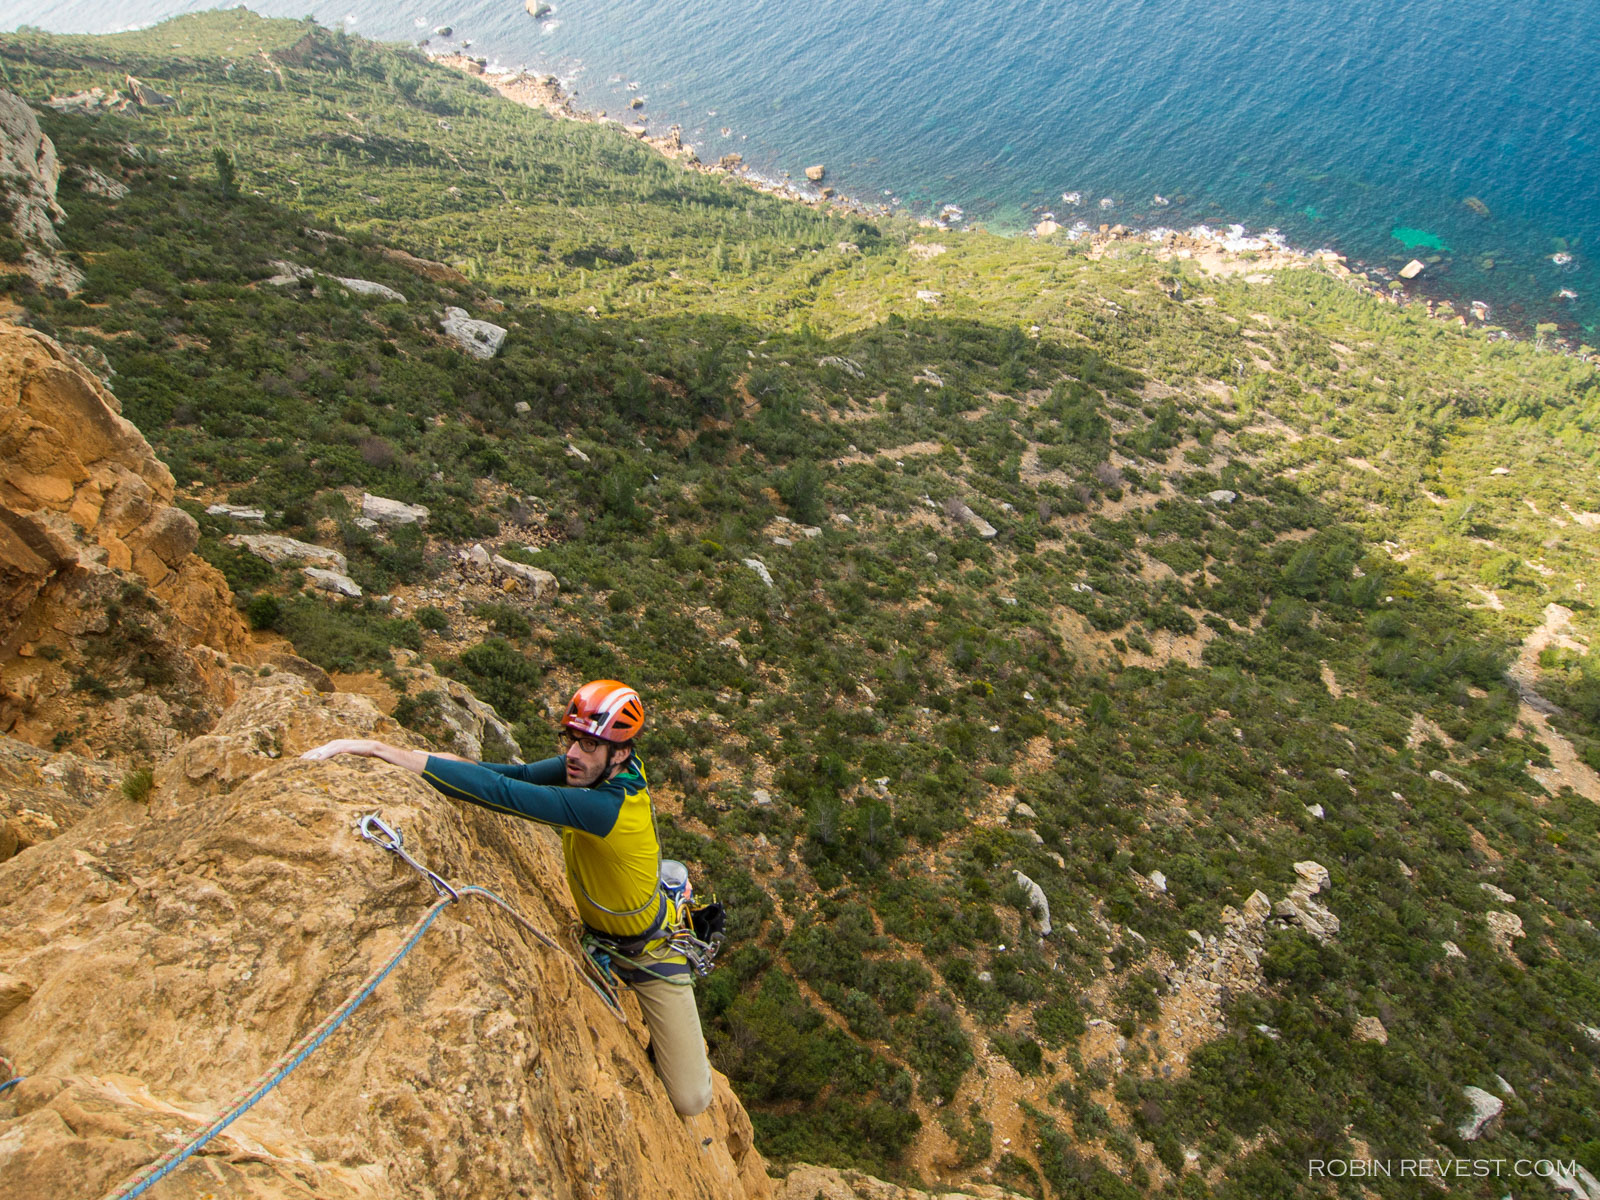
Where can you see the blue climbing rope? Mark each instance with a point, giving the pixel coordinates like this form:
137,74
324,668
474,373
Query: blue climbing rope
374,829
141,1181
12,1082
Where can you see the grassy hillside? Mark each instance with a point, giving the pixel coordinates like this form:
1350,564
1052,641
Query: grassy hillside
1135,679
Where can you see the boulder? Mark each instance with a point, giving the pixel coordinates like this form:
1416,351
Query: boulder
163,955
1370,1029
275,548
1485,1108
427,268
1222,496
365,287
332,581
147,97
392,512
1037,902
815,174
957,510
847,365
236,512
1504,929
43,793
538,580
1413,268
480,339
760,568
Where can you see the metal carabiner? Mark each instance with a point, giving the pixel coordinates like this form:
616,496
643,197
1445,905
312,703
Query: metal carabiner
378,831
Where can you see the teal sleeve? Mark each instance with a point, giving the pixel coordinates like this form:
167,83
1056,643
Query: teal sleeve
546,770
593,810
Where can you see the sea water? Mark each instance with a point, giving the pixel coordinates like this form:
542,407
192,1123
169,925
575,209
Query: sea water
1463,135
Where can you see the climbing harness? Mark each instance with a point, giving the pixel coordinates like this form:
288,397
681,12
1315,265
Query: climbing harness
693,932
380,833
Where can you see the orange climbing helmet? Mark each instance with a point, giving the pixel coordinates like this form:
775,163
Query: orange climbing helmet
605,709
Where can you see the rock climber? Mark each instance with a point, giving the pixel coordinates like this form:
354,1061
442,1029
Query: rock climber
596,795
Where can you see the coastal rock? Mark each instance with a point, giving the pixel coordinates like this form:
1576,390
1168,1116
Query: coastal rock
392,512
537,9
1413,268
815,174
1046,229
480,339
731,162
275,548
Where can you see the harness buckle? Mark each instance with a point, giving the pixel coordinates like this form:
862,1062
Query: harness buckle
386,837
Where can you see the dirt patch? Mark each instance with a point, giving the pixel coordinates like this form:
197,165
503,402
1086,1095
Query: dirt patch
1566,769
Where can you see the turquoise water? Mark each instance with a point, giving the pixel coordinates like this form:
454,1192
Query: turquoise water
1363,126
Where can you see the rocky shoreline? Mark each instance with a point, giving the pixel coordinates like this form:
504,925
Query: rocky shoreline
1226,251
534,90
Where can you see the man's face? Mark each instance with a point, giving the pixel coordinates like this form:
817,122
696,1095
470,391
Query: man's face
586,761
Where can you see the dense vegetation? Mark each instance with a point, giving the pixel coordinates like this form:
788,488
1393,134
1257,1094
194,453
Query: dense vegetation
1171,680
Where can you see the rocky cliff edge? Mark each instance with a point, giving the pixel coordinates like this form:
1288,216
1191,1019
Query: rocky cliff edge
158,956
113,632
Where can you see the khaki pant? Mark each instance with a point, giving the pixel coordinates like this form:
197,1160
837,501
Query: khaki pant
678,1044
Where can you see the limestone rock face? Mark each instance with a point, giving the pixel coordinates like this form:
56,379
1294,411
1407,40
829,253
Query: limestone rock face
31,172
161,956
91,547
43,794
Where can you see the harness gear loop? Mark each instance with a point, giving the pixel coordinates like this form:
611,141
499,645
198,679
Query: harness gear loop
378,831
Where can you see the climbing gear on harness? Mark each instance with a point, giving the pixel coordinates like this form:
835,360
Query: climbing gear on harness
605,709
675,881
379,832
694,933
